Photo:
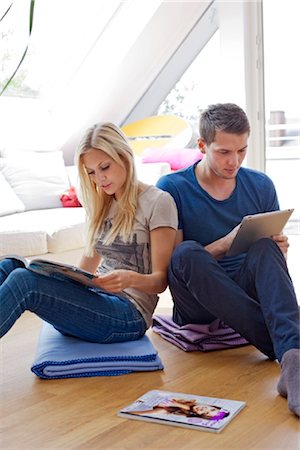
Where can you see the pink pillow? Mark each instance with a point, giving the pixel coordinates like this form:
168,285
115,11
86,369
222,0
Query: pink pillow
178,158
69,198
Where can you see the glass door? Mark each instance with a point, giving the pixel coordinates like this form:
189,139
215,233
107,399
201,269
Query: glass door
282,102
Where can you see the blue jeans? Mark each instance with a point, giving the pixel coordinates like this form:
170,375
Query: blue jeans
258,300
72,308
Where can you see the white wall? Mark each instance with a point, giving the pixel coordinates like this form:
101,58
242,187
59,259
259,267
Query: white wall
109,78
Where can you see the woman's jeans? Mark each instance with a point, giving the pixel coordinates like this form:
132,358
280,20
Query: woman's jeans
73,309
258,300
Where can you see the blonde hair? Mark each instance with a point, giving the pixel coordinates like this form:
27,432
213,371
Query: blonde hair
108,138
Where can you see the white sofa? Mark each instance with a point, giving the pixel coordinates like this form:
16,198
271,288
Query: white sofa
33,221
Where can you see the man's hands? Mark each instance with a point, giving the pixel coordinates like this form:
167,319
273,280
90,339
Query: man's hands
228,239
219,248
282,242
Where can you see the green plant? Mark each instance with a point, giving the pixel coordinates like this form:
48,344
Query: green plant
31,11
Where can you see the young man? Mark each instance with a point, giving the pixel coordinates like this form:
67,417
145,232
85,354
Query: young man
252,292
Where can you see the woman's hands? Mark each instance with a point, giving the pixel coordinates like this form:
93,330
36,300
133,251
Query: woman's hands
114,281
162,241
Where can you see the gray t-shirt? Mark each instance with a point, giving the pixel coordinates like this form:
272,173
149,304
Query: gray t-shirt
156,208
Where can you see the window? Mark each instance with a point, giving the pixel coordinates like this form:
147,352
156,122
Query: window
282,101
197,87
74,50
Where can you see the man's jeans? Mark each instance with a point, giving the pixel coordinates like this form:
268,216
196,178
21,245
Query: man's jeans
258,300
70,307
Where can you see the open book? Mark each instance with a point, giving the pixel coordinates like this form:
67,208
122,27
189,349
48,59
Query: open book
55,270
183,410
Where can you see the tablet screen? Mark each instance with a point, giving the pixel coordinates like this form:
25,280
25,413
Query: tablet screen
256,227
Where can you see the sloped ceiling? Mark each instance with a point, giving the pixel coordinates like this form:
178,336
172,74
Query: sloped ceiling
158,41
113,90
94,60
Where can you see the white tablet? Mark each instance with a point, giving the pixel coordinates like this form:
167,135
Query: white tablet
256,227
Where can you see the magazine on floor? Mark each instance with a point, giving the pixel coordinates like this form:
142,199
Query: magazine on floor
183,410
55,269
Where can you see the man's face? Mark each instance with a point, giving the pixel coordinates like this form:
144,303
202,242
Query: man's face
224,156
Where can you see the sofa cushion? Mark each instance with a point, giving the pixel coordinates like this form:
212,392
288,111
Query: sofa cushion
37,178
66,231
41,231
150,173
178,158
23,243
9,203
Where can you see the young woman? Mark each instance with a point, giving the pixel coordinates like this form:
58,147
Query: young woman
187,408
130,239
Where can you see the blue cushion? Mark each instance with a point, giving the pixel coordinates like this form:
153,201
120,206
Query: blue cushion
60,356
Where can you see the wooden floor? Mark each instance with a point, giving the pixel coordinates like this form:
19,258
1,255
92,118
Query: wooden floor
81,413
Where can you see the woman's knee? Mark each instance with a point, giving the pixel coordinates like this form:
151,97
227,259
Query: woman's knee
9,265
22,278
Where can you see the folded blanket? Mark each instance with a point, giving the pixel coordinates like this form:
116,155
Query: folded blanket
60,356
191,337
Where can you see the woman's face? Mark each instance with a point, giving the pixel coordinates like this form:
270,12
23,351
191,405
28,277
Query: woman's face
105,172
208,410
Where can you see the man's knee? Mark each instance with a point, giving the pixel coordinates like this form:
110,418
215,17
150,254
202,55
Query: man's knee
265,251
185,248
264,246
189,252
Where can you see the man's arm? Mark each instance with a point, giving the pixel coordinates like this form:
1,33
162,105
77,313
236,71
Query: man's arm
219,248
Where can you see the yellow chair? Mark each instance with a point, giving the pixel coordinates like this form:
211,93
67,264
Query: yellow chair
158,131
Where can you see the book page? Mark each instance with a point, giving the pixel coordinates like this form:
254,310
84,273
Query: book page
21,259
62,271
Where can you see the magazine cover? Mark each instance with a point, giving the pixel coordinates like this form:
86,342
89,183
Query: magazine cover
55,269
58,270
184,410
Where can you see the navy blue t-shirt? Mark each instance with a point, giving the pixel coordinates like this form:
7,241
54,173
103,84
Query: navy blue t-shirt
205,219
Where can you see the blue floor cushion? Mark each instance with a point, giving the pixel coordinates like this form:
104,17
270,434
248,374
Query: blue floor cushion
60,356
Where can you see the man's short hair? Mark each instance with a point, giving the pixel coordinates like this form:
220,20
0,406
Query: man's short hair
226,117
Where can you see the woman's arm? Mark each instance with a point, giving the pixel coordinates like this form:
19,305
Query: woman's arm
90,263
162,242
179,237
